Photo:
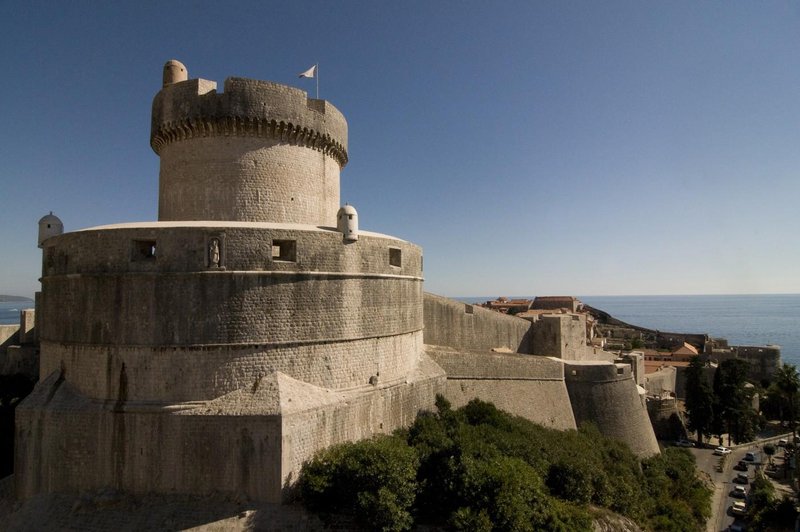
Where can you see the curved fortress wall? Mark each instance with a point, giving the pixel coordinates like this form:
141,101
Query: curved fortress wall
259,151
334,315
606,395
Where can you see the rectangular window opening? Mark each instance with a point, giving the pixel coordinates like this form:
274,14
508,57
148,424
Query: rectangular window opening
395,257
285,250
143,250
468,309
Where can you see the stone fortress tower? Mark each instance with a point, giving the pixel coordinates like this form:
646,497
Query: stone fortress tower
218,348
255,323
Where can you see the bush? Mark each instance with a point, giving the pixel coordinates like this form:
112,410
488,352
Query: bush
375,480
479,468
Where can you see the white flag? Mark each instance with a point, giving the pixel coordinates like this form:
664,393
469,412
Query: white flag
310,73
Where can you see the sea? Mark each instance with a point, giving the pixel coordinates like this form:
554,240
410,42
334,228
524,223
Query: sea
9,311
741,319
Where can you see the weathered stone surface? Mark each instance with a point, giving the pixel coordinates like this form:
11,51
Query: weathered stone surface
524,385
606,395
217,349
463,326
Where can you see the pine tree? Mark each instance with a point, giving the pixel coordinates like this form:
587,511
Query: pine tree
699,399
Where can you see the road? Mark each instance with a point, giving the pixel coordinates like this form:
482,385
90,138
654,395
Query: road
722,474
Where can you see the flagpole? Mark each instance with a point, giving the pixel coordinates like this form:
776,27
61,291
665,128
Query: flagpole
317,76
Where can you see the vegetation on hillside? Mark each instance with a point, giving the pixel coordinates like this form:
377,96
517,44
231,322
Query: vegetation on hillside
480,469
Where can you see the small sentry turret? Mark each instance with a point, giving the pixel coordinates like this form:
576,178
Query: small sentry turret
49,225
174,72
347,222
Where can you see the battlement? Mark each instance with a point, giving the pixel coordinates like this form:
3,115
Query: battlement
247,108
257,152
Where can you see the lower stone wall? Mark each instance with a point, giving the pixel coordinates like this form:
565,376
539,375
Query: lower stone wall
359,416
524,385
666,418
462,326
66,443
250,443
661,381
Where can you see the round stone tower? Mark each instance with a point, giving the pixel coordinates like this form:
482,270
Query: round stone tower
242,331
257,152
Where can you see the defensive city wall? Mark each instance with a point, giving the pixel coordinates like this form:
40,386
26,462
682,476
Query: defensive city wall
473,346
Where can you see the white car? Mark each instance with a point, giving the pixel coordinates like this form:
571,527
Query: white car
722,450
738,508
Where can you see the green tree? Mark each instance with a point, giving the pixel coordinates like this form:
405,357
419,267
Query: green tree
375,480
699,399
787,382
769,450
732,400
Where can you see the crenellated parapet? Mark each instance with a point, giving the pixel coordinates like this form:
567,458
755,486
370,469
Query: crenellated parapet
193,108
257,152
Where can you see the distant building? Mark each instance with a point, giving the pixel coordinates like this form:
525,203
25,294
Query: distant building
508,306
570,303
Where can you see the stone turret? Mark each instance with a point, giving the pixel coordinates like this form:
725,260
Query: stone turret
257,152
49,225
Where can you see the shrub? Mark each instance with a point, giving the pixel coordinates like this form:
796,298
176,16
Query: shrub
479,468
375,480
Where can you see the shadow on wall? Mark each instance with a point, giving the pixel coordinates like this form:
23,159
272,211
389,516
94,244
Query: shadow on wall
13,389
106,509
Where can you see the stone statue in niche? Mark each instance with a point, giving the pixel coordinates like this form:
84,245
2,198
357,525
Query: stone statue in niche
213,253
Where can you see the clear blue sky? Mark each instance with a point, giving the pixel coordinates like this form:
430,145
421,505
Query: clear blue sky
585,148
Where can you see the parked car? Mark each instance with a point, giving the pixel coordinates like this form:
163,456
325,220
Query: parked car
739,492
738,508
722,450
783,442
750,457
741,478
684,443
736,527
741,466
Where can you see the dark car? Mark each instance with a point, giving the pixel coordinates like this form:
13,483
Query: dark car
741,466
750,457
741,478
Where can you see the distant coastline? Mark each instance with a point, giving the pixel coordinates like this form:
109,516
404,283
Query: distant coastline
6,298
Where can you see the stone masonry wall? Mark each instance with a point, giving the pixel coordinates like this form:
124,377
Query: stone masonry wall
528,386
462,326
202,373
562,336
606,394
249,443
260,151
335,315
253,179
67,443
